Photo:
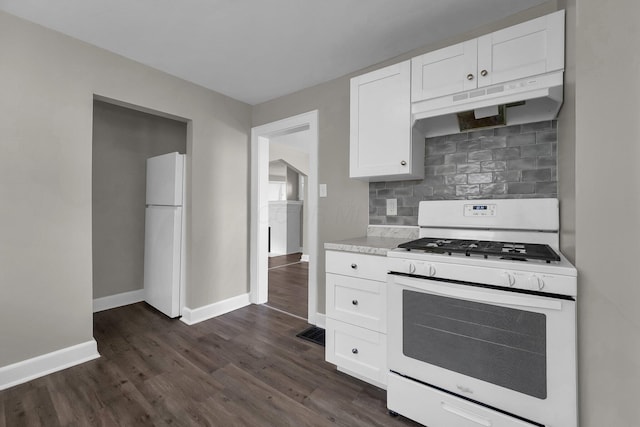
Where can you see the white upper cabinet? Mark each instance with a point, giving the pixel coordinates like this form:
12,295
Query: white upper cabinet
444,71
385,145
382,144
528,49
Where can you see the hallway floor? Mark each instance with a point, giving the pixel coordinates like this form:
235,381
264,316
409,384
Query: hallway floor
288,284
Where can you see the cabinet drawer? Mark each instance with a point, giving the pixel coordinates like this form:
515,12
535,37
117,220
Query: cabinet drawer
360,302
372,267
434,408
356,349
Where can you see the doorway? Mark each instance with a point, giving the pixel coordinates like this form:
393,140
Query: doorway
122,140
261,138
288,231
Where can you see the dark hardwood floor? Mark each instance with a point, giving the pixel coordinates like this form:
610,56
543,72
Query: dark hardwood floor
289,284
278,261
245,368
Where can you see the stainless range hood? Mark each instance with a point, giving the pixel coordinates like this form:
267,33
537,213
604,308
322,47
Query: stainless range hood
527,100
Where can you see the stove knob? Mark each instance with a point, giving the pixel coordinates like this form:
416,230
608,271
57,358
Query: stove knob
537,282
509,278
412,268
431,271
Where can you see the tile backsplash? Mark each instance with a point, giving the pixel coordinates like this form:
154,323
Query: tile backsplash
508,162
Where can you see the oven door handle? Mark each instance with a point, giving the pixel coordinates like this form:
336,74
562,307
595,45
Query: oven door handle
494,298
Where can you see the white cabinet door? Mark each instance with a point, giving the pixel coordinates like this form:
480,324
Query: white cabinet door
357,350
381,143
528,49
444,71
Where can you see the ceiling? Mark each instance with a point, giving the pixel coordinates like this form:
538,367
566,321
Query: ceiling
257,50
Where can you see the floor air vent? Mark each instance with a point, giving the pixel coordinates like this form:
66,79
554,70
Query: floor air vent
313,334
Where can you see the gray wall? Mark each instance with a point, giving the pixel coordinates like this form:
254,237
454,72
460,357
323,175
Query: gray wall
48,85
344,213
292,184
508,162
567,137
122,141
608,211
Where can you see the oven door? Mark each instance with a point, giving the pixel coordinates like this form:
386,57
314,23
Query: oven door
515,352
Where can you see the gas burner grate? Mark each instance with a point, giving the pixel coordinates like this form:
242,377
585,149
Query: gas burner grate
505,250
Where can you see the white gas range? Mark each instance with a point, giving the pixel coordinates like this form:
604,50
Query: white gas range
482,317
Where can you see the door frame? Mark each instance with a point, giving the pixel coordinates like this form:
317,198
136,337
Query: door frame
258,235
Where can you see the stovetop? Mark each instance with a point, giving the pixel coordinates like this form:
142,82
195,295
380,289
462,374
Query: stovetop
510,265
503,250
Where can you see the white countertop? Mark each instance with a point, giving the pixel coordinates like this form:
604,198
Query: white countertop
372,245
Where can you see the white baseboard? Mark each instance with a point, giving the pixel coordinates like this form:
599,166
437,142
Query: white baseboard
118,300
321,320
304,258
30,369
196,315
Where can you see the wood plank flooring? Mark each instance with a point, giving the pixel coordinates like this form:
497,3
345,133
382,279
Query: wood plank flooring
245,368
289,284
280,260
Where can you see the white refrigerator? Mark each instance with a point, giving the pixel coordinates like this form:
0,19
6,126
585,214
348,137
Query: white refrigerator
163,233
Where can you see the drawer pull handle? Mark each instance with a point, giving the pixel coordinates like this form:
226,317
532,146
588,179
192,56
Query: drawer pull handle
354,350
354,302
354,266
467,415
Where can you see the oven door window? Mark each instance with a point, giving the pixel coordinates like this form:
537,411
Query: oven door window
499,345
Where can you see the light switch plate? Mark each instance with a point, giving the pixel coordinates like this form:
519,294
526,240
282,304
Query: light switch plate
323,190
392,206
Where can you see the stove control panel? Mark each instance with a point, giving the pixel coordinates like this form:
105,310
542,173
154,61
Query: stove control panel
419,268
538,281
482,210
525,280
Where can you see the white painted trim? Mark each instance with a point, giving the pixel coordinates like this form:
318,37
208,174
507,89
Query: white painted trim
258,267
118,300
39,366
200,314
321,320
304,258
258,258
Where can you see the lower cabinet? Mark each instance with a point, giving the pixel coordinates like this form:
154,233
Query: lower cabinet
357,351
356,339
